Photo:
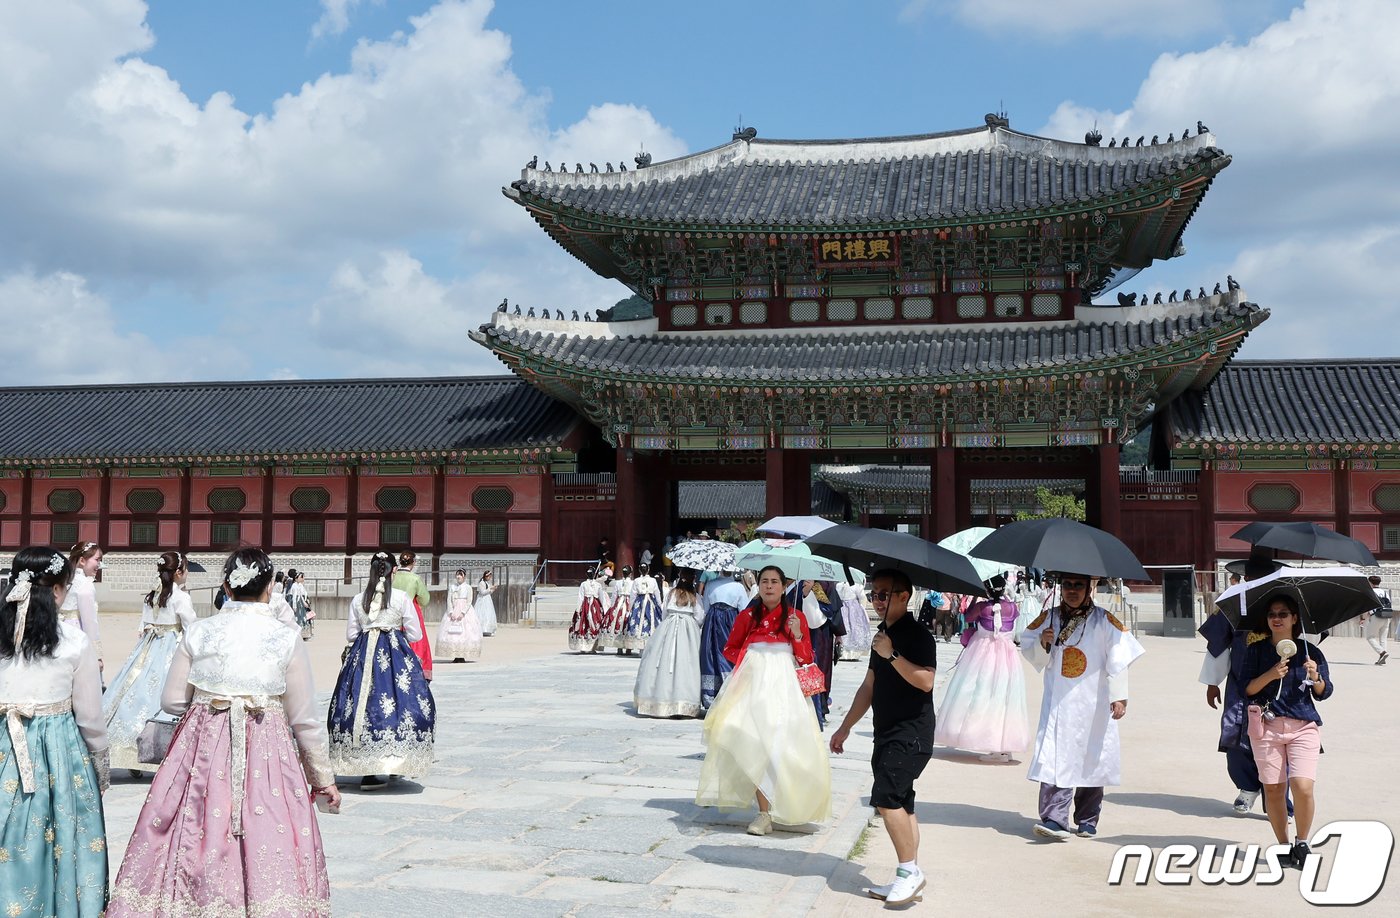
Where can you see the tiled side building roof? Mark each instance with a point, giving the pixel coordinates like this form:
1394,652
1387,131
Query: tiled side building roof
255,420
1293,402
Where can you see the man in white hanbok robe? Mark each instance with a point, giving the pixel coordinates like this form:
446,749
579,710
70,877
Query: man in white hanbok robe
1084,653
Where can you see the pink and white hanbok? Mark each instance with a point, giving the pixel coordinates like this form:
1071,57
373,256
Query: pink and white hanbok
984,702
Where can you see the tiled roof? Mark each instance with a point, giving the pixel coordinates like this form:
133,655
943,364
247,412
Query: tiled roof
744,500
1294,401
356,416
864,355
915,479
853,183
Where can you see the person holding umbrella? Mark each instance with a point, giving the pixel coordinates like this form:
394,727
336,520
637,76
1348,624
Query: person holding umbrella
1084,652
898,686
1286,676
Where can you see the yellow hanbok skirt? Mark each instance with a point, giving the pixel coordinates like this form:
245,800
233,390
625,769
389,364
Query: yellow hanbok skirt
761,734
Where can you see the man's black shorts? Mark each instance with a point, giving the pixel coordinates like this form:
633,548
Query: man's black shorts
897,764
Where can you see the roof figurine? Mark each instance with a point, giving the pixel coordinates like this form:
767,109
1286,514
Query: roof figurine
502,307
642,159
1171,138
996,120
575,315
1216,291
1172,297
1201,128
1157,299
1231,283
1153,141
534,161
1093,138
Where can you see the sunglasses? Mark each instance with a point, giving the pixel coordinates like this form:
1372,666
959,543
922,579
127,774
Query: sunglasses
1273,614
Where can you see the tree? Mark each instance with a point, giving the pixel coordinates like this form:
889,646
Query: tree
1053,505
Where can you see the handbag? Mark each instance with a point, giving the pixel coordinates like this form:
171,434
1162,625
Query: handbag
810,679
153,742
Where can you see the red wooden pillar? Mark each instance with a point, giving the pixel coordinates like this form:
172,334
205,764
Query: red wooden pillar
797,478
1109,499
943,494
625,509
1341,498
1205,497
773,491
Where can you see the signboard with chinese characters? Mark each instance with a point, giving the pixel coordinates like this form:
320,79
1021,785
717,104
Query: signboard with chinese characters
871,252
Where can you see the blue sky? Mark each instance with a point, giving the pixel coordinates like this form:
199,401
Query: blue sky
271,188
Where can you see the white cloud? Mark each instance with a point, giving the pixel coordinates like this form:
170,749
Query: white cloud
1063,18
335,17
1306,110
111,173
56,328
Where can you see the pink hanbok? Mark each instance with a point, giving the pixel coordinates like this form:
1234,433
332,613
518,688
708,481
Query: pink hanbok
228,827
984,703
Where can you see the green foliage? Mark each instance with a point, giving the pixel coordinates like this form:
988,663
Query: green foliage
1135,451
1053,505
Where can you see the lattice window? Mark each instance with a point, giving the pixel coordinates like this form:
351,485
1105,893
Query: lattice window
65,533
682,316
753,313
488,499
393,533
1008,305
879,308
3,500
841,310
804,310
66,500
1390,538
226,535
309,533
1045,304
972,307
395,499
310,500
1386,497
144,500
719,314
491,534
917,307
1274,498
227,500
144,534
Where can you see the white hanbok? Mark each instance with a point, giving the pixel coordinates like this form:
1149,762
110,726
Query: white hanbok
133,696
459,632
1076,743
485,607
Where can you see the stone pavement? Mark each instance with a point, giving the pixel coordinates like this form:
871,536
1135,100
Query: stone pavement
550,798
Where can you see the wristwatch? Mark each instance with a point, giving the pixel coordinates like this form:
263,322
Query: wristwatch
894,655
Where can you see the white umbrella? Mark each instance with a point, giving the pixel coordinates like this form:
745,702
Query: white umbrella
964,541
797,527
703,555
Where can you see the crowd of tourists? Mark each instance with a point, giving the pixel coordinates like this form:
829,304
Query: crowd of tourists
224,709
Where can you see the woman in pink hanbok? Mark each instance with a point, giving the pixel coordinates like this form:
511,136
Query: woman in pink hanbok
228,826
984,703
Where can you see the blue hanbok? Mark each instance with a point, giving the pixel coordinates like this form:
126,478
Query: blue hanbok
382,714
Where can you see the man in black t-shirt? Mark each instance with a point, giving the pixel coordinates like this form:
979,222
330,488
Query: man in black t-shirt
899,687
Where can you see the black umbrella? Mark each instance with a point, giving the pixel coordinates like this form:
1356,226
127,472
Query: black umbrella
1309,540
194,567
1060,544
1326,597
925,564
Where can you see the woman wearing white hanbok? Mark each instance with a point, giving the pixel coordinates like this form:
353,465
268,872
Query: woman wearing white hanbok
618,609
459,632
644,615
133,697
80,604
668,677
485,606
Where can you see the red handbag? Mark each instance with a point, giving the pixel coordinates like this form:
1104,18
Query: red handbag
810,679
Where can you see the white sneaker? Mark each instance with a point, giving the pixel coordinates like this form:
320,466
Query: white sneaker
878,892
906,887
1245,801
762,825
999,758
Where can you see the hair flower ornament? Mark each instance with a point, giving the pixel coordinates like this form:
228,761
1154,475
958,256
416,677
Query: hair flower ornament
244,574
56,564
24,576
